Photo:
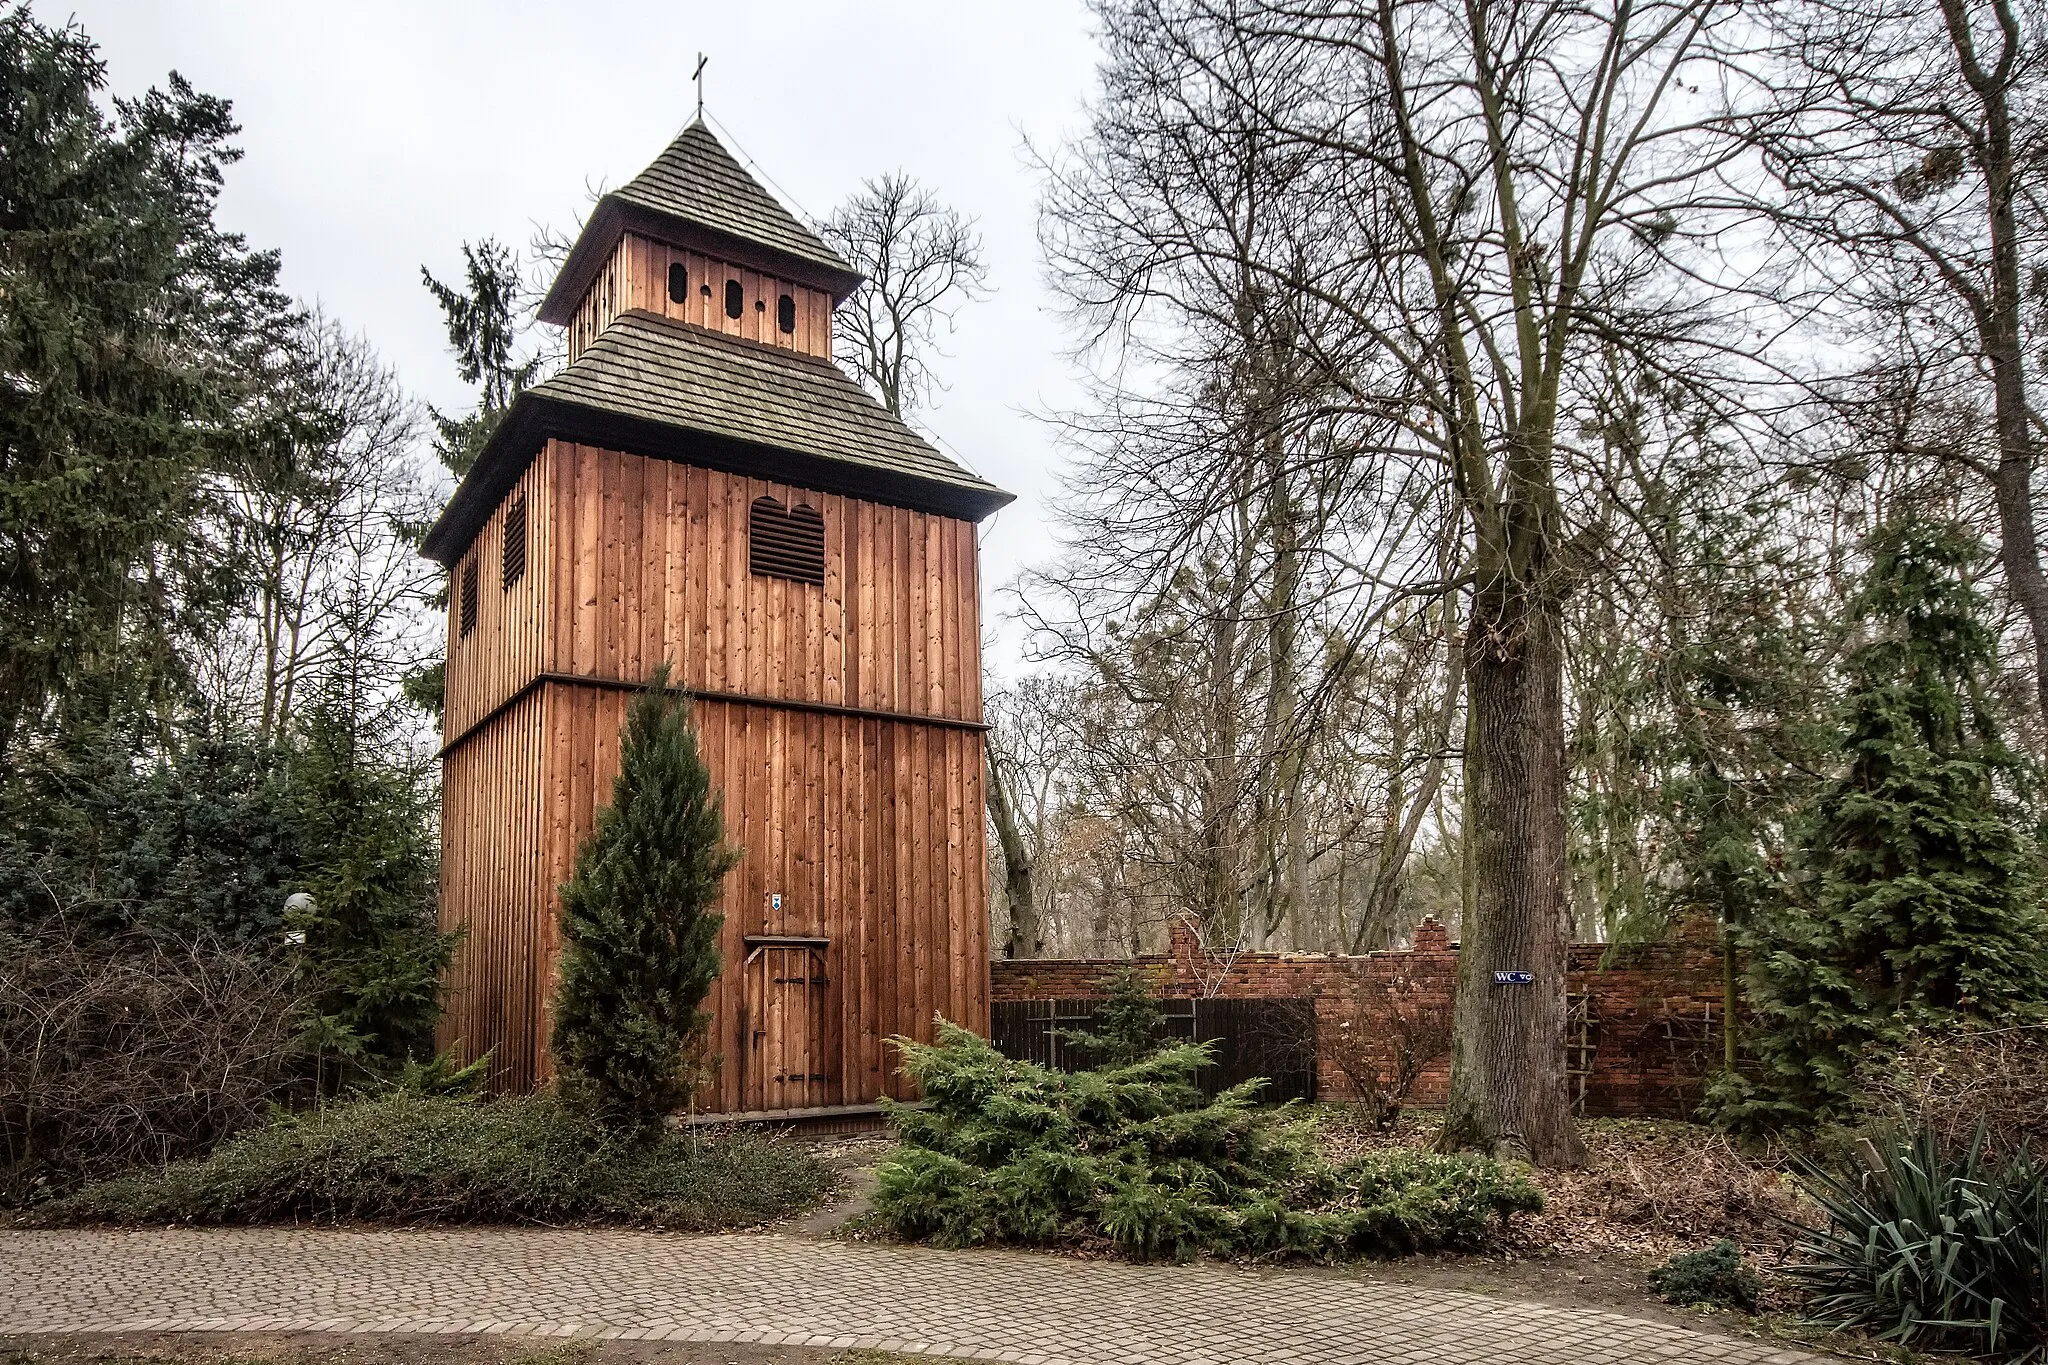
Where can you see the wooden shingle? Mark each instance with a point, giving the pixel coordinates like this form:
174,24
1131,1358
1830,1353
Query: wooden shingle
666,389
697,181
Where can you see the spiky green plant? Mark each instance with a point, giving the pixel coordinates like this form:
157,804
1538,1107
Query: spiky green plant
1932,1249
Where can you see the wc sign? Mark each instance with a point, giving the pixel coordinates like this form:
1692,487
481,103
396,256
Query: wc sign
1513,978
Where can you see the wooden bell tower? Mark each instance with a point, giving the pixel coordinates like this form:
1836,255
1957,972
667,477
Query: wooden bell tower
701,484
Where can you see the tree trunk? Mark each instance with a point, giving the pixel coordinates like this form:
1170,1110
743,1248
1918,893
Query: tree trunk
1728,1041
2004,348
1027,938
1508,1093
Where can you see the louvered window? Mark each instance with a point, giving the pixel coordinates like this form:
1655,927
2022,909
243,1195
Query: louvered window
514,566
787,543
467,603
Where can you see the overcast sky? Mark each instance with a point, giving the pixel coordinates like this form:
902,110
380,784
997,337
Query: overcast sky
380,136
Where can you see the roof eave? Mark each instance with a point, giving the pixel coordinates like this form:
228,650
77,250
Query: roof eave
615,216
535,419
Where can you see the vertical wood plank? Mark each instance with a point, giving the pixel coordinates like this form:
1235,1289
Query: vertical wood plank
872,829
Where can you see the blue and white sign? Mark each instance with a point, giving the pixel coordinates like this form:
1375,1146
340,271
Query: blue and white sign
1515,978
775,900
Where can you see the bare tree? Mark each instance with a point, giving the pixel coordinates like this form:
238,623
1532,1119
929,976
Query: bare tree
1483,196
1900,135
922,259
1027,769
329,521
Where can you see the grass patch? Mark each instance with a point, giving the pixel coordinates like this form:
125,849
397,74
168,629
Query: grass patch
422,1159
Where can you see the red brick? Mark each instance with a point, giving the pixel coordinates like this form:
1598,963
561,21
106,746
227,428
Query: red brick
1655,1009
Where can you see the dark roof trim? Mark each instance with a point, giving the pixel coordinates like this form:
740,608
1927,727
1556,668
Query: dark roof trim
614,217
536,419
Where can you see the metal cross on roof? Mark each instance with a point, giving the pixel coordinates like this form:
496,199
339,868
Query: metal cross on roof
698,76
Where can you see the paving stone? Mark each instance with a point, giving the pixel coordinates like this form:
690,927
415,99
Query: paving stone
980,1305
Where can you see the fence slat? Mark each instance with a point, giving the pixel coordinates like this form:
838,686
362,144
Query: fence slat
1271,1038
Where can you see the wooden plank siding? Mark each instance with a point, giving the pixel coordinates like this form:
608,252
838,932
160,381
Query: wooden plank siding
796,786
869,827
652,559
636,277
496,887
505,650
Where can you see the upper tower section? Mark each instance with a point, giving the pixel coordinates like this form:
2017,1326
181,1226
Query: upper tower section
696,239
699,313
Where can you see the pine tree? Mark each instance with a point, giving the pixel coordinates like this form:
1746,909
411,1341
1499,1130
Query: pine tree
483,330
373,955
639,933
137,343
1919,896
1126,1025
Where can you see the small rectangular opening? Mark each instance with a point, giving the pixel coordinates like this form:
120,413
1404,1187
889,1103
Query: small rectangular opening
514,566
467,603
786,543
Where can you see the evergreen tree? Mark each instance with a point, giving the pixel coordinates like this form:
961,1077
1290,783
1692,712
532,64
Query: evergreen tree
200,840
1126,1025
483,331
1918,899
640,937
373,954
137,342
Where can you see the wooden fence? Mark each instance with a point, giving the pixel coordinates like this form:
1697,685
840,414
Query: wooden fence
1273,1038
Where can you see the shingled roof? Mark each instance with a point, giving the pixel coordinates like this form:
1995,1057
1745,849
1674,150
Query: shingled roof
696,194
698,181
650,386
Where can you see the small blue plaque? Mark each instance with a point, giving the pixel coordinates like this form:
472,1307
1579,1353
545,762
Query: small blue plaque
775,900
1517,978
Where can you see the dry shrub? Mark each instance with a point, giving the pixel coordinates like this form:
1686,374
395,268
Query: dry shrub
1950,1083
1653,1187
133,1050
1390,1038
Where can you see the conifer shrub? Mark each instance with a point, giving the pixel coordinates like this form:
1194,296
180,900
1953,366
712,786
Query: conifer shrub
1126,1023
1916,902
1716,1277
373,956
1133,1156
640,937
407,1157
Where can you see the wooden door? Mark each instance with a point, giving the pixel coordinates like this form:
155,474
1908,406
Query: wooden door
786,1043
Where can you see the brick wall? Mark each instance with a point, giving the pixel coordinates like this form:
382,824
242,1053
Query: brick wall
1651,1014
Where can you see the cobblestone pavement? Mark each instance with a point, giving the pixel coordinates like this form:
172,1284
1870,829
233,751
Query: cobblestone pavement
986,1305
